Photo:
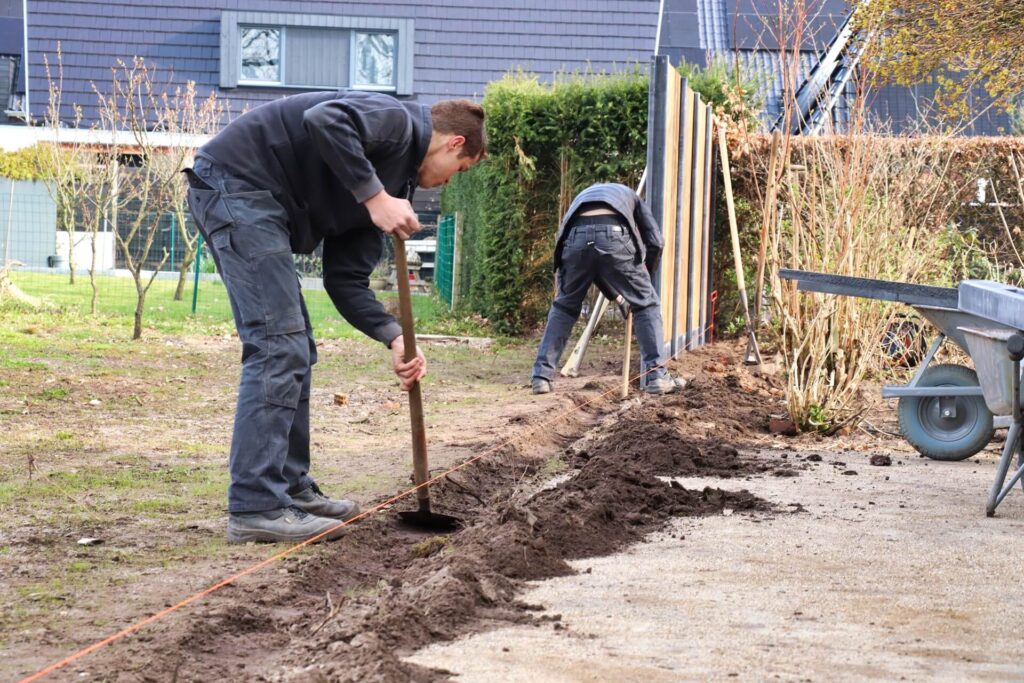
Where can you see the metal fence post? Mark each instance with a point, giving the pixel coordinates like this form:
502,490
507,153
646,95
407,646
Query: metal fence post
195,281
174,229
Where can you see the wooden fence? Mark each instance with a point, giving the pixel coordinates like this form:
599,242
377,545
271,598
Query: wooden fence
680,184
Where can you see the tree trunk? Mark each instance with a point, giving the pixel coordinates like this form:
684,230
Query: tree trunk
139,306
71,253
187,258
92,275
186,265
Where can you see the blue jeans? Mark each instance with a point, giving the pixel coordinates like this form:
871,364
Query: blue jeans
246,230
604,253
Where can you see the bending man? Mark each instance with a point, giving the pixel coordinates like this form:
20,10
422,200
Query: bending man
329,168
607,236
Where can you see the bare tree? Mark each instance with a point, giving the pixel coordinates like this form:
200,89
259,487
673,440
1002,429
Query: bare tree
187,119
148,188
96,205
66,157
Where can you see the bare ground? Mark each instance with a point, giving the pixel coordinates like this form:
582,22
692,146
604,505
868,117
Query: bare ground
586,484
126,443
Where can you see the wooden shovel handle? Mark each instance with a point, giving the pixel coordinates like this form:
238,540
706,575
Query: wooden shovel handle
420,469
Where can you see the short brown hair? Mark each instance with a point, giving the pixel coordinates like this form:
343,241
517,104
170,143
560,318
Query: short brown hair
465,118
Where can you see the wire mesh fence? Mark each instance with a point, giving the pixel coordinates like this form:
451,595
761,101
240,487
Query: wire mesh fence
444,275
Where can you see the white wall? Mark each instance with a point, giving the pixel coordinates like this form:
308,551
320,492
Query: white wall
105,246
16,137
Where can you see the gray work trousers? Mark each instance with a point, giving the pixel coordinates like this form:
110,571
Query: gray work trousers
605,253
246,231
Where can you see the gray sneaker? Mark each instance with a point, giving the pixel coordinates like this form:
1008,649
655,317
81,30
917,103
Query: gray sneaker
284,525
313,501
664,385
541,385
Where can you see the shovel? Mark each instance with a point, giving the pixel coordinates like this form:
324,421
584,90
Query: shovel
422,518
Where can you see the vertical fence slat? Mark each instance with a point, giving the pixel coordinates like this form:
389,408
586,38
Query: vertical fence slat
696,260
656,111
678,270
671,184
680,194
707,208
685,182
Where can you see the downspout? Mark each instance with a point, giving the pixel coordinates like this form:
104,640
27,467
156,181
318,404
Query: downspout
24,59
657,36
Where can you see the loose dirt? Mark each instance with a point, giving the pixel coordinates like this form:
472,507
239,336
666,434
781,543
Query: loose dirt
584,484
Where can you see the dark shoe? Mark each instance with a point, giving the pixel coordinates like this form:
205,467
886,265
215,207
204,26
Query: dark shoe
284,525
541,386
313,501
664,385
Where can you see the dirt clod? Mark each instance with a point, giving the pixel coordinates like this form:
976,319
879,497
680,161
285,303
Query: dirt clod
784,426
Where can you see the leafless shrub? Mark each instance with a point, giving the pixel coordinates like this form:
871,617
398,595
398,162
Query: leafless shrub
67,156
856,202
859,205
153,187
187,118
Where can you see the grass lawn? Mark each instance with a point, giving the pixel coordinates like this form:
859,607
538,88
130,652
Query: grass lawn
116,305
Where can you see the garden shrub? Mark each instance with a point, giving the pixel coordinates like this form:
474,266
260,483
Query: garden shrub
546,142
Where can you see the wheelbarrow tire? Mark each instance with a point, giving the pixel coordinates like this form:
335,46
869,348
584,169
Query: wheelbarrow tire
941,438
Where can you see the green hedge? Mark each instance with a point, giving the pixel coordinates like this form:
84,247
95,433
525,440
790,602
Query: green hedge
546,143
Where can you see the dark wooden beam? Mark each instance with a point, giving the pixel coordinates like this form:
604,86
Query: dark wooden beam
866,288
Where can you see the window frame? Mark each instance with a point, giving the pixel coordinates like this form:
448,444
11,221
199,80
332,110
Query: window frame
232,23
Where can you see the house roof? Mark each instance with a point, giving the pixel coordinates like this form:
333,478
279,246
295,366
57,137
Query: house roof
460,45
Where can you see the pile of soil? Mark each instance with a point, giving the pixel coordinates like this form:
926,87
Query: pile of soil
350,612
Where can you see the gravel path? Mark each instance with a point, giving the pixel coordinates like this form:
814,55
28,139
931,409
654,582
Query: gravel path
891,573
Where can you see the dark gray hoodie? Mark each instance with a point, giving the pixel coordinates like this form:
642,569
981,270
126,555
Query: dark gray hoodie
322,154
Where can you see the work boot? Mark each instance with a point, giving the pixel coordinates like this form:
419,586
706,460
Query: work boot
541,386
284,525
313,501
664,385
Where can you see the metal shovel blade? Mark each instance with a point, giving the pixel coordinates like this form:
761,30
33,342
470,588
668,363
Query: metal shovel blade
425,520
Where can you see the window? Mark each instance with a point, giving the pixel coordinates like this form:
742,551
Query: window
261,54
375,60
271,49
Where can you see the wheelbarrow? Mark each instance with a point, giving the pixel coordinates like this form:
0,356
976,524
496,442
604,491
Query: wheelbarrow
949,411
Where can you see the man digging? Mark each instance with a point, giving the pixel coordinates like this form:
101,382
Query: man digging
607,236
331,168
